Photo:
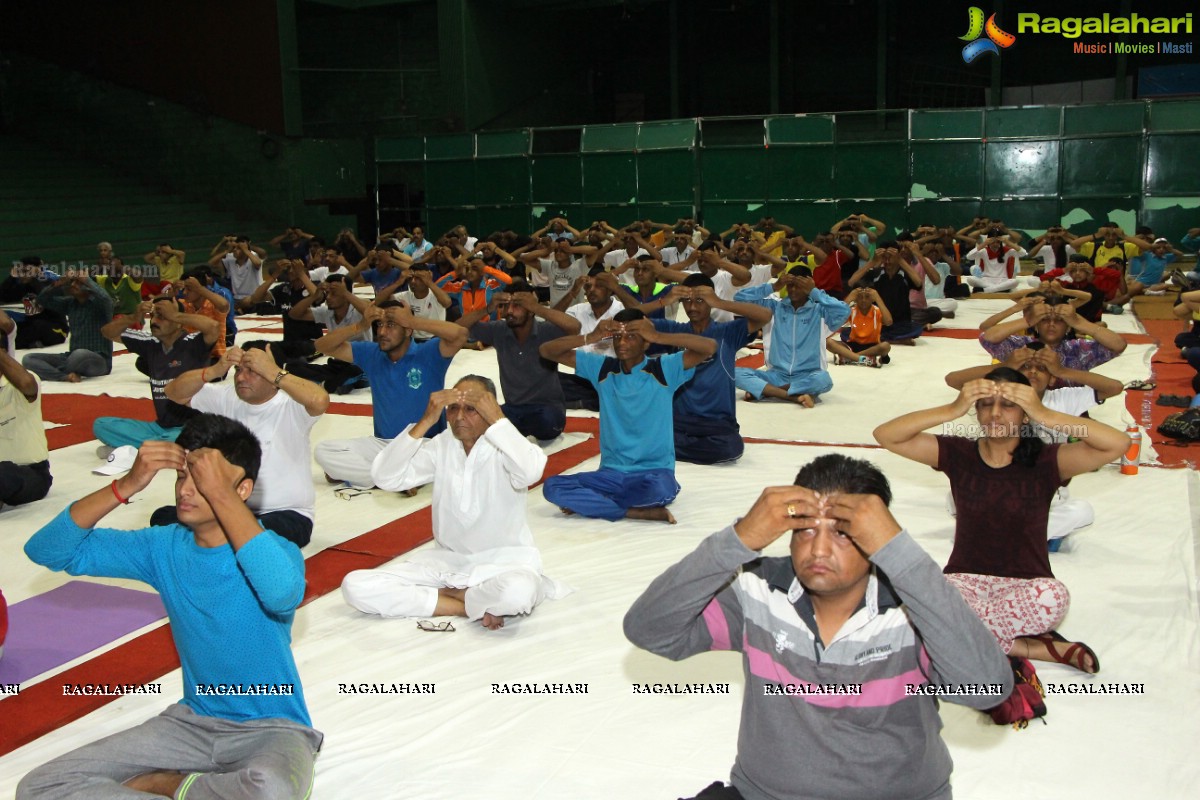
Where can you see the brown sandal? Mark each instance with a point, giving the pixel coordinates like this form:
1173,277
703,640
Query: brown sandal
1075,656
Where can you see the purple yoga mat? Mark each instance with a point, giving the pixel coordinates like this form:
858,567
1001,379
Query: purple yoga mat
63,624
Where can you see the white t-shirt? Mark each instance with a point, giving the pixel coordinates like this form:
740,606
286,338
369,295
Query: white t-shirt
1073,400
671,256
324,316
425,308
1049,260
319,274
282,427
615,258
243,278
588,322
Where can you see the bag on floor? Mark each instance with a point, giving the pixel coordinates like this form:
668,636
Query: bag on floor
1025,702
1184,425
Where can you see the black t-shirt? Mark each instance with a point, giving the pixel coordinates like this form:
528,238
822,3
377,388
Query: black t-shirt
893,290
284,297
189,352
1002,513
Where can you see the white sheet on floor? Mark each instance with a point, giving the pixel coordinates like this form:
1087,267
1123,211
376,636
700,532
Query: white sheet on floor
1132,577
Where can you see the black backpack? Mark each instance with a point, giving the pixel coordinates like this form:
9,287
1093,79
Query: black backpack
1183,425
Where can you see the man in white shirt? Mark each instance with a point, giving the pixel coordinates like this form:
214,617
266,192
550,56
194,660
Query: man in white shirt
278,408
600,305
680,255
484,565
243,267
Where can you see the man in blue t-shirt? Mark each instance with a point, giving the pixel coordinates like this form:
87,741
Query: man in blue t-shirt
706,426
231,590
636,479
403,373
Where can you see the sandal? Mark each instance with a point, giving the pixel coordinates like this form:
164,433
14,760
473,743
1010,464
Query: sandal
1075,656
1141,386
1176,400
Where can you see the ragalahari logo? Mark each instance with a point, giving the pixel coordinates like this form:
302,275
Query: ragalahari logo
996,40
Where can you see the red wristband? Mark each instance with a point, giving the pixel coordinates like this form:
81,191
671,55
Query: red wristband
123,501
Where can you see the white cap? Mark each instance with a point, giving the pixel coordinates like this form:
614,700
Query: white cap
119,460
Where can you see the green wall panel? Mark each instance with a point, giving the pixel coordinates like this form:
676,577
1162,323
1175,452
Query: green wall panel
514,218
1035,121
800,173
949,169
607,138
1113,118
542,213
609,178
967,124
556,179
666,177
410,148
618,215
809,170
1021,168
1175,115
804,129
450,146
721,214
450,183
942,212
664,212
1172,164
502,143
734,174
806,216
502,181
439,220
1022,214
678,135
892,213
1098,208
1173,220
1112,165
878,169
332,168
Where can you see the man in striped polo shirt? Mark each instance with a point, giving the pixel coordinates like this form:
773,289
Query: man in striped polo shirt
846,645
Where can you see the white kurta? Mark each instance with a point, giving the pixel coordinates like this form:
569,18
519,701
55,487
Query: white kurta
483,542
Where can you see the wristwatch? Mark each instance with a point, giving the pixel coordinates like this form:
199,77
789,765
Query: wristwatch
279,378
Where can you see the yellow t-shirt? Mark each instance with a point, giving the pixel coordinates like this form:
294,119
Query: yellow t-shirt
22,435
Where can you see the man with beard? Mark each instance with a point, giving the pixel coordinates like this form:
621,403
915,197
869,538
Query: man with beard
403,374
705,419
533,397
169,351
636,479
484,566
280,409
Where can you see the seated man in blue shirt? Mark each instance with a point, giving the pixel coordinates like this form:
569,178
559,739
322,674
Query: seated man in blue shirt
403,374
231,590
706,426
636,479
802,320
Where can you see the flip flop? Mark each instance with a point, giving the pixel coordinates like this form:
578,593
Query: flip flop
1141,386
1075,656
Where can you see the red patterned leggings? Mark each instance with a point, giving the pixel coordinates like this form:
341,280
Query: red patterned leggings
1014,607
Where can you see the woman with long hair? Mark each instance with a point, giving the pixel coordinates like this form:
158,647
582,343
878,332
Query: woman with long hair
1003,483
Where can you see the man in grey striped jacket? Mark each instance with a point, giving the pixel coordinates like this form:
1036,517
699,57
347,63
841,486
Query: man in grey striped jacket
846,645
